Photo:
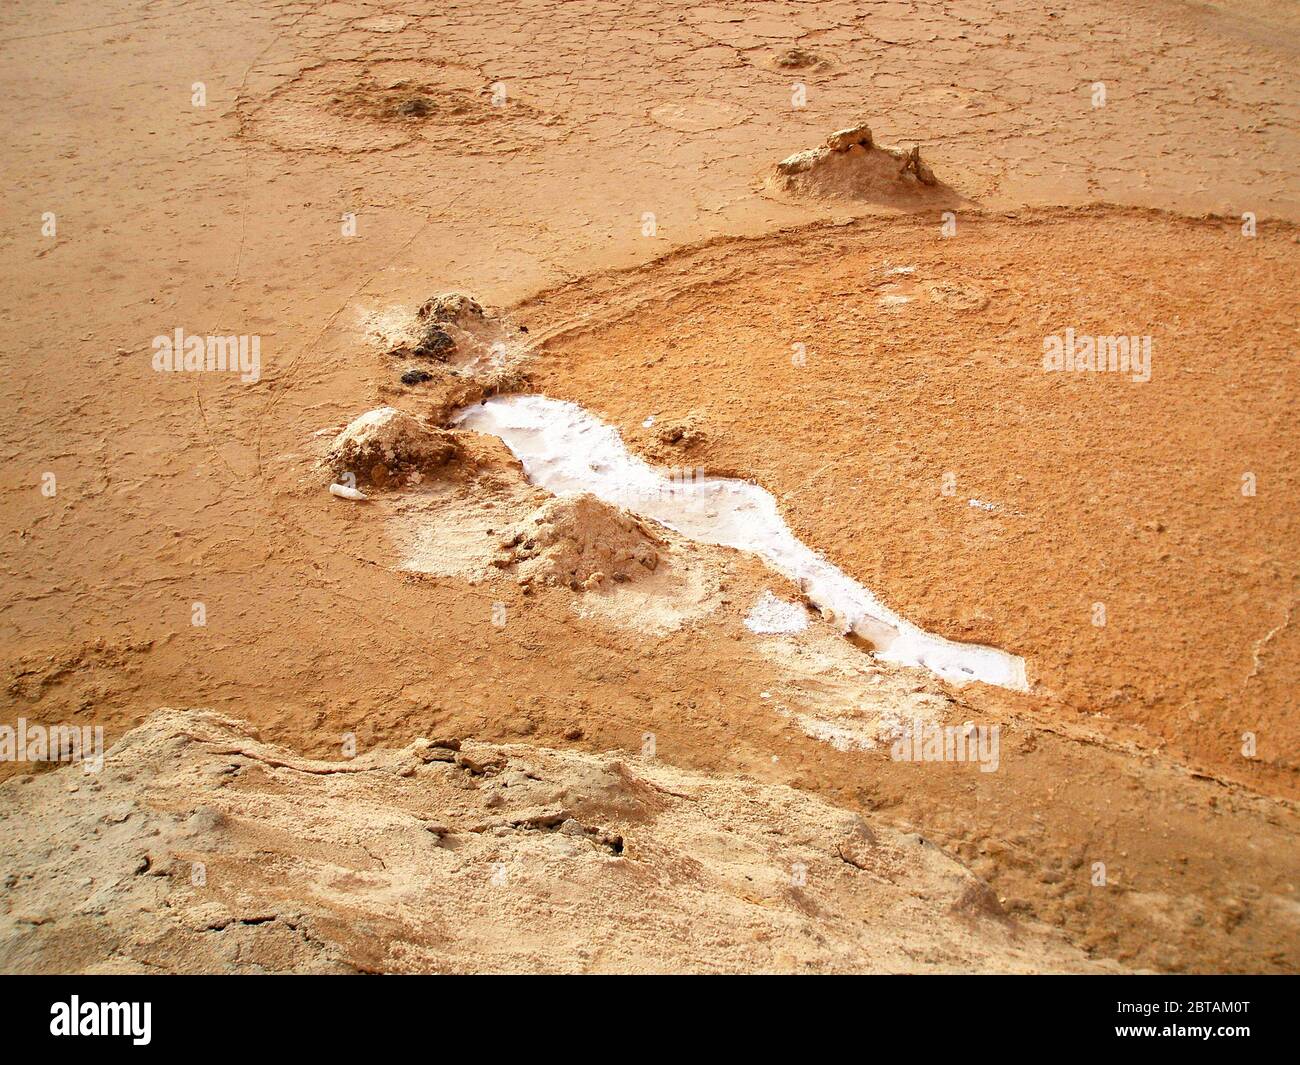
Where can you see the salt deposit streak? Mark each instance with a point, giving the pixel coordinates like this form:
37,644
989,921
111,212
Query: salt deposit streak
771,616
566,451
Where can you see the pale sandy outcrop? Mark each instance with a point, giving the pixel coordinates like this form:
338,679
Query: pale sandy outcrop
198,848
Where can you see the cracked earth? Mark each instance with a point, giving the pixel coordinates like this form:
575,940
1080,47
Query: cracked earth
390,746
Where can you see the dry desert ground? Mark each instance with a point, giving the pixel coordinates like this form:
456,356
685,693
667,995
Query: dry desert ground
540,486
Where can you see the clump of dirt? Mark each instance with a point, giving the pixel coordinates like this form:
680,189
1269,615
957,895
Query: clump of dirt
442,316
851,165
368,105
456,307
406,101
844,139
386,442
794,59
798,59
455,329
434,342
416,377
679,434
580,542
451,348
416,107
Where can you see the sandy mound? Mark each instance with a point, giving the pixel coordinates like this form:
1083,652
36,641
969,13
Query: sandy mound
581,542
686,431
454,329
453,528
452,349
852,166
455,307
441,319
386,441
201,849
794,59
378,104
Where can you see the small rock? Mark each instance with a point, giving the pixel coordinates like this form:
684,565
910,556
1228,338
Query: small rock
797,59
844,139
802,161
682,432
386,439
434,342
32,918
454,307
480,766
415,107
922,170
